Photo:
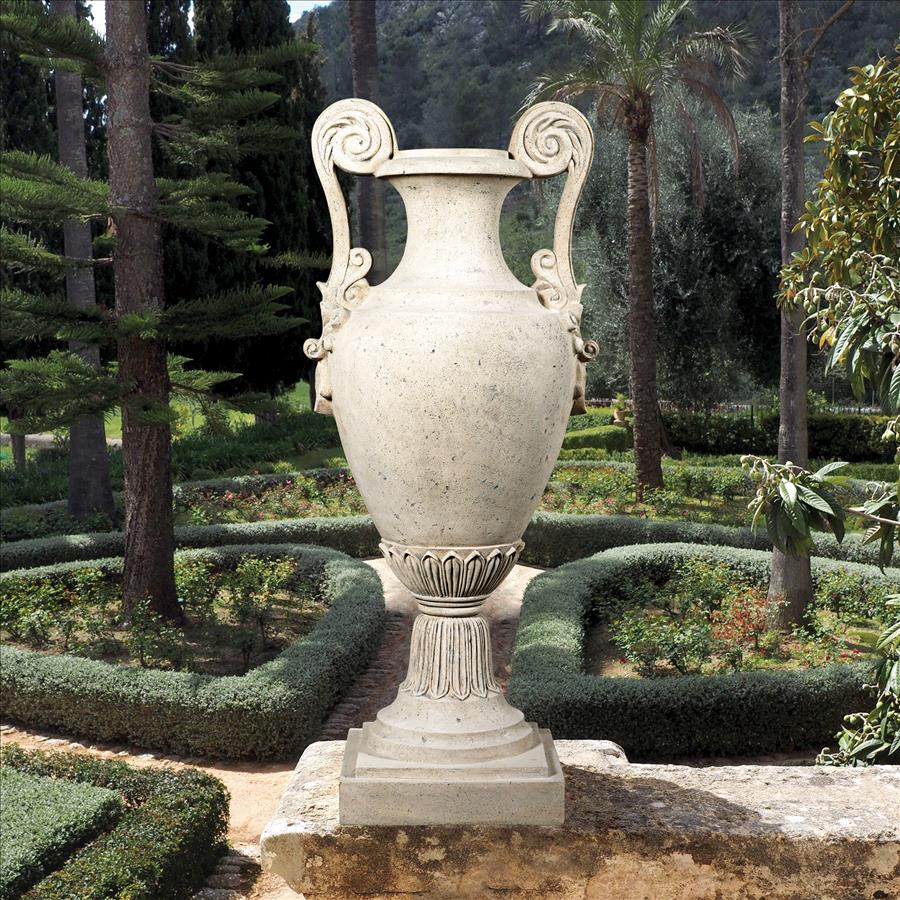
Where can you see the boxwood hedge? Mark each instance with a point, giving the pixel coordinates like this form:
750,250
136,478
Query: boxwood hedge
274,709
42,821
165,844
741,713
551,539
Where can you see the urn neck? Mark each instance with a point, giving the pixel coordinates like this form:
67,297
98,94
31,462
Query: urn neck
453,230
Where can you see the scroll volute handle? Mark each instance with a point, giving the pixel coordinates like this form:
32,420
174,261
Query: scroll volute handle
552,138
357,137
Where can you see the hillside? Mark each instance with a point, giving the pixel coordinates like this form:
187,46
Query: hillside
454,72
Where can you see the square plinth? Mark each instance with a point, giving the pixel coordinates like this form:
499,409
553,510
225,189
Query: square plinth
527,789
631,832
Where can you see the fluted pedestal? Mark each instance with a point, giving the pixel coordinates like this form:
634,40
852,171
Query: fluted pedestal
450,749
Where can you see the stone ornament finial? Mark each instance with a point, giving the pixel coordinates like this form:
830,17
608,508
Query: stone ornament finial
552,138
355,136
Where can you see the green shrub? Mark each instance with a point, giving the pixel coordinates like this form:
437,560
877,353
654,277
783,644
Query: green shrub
42,821
196,455
602,437
551,539
854,438
594,418
165,844
740,713
274,709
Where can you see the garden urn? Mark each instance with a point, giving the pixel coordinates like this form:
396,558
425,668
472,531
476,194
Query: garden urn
451,383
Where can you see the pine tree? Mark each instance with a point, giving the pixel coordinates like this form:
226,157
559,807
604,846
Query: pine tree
34,190
286,192
24,125
90,487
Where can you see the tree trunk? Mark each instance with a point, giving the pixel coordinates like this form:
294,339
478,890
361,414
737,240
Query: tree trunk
790,586
90,488
17,443
642,320
149,574
370,190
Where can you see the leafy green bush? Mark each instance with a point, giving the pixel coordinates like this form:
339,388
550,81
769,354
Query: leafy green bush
196,455
276,708
602,437
42,820
164,845
551,539
595,417
855,438
744,712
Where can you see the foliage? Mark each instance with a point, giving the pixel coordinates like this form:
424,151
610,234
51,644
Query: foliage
794,502
846,436
846,276
603,437
684,643
551,539
276,708
212,98
744,712
165,843
874,737
43,820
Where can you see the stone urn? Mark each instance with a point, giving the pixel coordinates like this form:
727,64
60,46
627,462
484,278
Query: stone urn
451,383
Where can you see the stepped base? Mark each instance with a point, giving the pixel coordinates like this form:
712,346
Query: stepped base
525,789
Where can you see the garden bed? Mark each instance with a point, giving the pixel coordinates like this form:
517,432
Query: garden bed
276,708
742,712
240,611
551,539
164,843
704,493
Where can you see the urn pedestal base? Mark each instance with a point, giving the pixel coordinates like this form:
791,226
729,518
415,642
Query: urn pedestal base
525,789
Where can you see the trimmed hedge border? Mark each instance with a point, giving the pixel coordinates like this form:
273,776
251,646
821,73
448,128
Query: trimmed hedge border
165,844
275,709
722,715
43,820
551,539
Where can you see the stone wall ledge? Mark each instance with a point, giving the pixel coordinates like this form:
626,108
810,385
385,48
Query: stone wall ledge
632,832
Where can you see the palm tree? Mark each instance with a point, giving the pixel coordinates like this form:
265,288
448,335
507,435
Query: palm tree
639,56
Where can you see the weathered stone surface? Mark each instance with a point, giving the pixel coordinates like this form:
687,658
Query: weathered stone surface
631,832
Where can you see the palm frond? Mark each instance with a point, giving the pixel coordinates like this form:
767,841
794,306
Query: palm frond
689,126
715,101
725,45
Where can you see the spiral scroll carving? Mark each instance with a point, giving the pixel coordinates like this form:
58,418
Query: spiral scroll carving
552,138
356,136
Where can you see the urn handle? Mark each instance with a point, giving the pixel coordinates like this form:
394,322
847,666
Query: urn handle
552,138
355,136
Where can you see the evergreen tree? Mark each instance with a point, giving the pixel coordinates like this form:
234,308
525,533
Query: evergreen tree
24,125
90,487
286,192
61,388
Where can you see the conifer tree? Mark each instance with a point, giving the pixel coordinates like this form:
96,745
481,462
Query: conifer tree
24,125
90,488
286,192
215,99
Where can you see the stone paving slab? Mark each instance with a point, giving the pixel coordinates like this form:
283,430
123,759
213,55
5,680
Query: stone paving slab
632,832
